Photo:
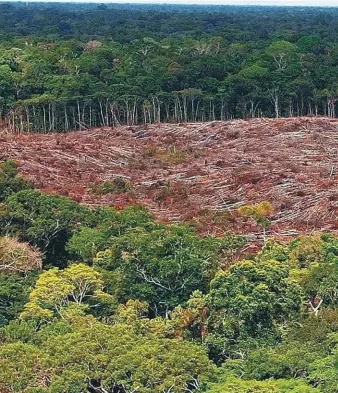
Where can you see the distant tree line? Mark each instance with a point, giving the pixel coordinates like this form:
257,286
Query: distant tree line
72,67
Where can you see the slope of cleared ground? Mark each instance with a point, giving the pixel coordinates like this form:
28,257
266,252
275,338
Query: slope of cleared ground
199,173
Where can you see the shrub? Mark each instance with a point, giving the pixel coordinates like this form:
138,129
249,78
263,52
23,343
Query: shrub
117,186
9,181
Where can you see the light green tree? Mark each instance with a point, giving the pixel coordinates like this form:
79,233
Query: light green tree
260,213
56,289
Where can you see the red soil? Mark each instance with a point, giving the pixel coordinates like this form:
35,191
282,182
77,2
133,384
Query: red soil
198,173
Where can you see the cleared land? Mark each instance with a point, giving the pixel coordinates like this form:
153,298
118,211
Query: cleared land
199,173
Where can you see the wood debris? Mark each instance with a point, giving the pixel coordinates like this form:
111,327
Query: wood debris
195,172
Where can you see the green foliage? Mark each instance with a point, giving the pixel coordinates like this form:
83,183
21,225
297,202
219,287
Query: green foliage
310,44
163,266
104,356
117,186
86,242
272,250
55,290
9,181
18,361
173,156
79,66
330,248
255,292
46,221
14,291
282,52
190,322
236,385
7,89
250,301
306,251
322,281
151,308
260,213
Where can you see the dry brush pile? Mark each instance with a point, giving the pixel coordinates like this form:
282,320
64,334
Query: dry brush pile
199,173
16,256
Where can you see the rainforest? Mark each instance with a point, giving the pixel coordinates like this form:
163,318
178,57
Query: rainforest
168,199
66,67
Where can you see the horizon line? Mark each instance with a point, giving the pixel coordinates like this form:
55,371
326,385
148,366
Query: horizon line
173,2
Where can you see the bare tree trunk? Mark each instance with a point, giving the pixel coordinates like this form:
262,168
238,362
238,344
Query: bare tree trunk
101,112
274,96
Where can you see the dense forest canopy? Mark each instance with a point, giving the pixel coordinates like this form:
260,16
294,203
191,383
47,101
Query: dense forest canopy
125,22
66,66
107,301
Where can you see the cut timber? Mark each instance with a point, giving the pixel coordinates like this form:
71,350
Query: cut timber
196,172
